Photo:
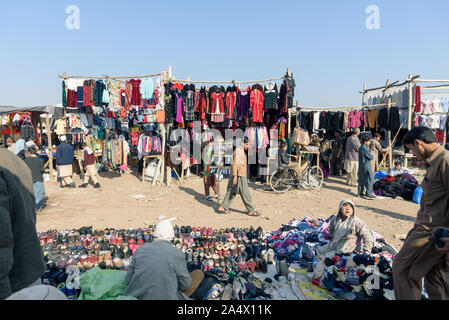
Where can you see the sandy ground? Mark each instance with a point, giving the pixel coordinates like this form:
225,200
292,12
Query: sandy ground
125,202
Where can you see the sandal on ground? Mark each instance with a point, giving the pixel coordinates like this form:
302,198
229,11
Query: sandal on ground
254,214
224,211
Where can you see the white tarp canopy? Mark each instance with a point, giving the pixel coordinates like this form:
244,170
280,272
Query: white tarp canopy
44,109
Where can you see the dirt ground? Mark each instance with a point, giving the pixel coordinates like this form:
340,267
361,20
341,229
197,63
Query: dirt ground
125,202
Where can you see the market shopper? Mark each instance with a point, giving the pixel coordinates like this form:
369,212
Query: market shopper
19,149
365,174
64,160
352,157
337,155
21,258
209,178
36,166
238,183
158,271
419,258
9,143
376,148
348,234
88,159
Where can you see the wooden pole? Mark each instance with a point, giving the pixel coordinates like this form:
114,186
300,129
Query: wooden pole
394,140
12,130
390,153
410,110
50,153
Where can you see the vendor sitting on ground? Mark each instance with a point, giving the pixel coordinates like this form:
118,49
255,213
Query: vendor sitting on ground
398,169
283,158
158,271
346,233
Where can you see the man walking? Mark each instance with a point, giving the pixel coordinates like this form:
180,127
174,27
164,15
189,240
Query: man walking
419,258
64,160
365,174
238,183
337,154
375,148
352,157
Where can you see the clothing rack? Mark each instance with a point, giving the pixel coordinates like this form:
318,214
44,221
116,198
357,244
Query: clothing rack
65,76
287,74
435,87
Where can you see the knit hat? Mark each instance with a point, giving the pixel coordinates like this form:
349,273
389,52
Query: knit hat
343,201
164,230
63,138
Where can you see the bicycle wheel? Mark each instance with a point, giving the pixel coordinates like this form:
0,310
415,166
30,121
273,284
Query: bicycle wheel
315,177
277,181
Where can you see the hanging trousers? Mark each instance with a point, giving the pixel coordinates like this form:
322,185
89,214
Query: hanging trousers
417,259
242,189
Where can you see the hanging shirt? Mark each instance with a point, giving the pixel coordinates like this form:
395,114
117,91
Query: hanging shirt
445,105
61,126
146,88
434,121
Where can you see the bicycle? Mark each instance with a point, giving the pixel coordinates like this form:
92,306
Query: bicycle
308,176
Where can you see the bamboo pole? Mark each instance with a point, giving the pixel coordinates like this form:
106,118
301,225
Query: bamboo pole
390,153
50,153
394,140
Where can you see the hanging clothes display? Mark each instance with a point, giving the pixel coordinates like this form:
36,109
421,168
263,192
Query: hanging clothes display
257,103
136,98
217,108
372,119
271,96
231,101
243,103
189,102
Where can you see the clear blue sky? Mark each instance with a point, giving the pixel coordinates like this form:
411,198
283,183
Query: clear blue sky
325,43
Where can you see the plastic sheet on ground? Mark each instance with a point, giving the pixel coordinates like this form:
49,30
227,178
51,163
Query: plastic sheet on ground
98,284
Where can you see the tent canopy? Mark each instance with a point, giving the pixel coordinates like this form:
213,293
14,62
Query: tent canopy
43,109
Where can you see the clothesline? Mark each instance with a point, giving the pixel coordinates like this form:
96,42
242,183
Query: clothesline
64,76
372,106
232,81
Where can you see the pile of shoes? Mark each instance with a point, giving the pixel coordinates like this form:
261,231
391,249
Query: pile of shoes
227,249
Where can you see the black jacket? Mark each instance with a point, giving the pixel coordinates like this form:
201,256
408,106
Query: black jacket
21,258
64,154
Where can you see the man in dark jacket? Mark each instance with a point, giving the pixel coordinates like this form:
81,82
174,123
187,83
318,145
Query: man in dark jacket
21,259
337,155
366,175
64,160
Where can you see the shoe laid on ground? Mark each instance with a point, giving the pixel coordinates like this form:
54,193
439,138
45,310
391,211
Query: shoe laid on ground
97,186
84,185
210,198
72,185
370,197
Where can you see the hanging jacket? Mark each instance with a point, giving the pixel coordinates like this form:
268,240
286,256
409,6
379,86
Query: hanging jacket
231,101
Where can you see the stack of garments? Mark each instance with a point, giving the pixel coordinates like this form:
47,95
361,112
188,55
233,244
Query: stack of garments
346,277
403,185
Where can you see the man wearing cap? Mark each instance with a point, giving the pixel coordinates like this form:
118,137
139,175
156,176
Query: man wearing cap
64,160
158,271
